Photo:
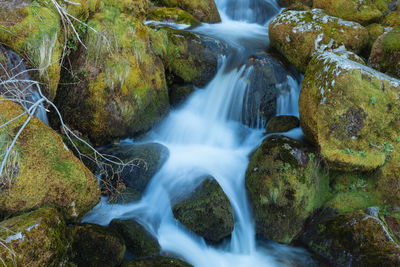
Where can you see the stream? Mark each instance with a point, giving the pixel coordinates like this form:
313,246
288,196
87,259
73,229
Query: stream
208,136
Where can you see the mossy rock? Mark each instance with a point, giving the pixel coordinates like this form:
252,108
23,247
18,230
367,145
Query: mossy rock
355,129
156,262
353,239
287,3
281,124
193,58
364,12
207,211
267,80
388,178
175,15
392,19
97,246
349,55
119,82
37,238
147,159
374,31
385,54
41,170
285,185
138,241
202,10
298,35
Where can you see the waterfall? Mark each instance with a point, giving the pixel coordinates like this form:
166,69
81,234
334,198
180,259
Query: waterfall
21,84
206,136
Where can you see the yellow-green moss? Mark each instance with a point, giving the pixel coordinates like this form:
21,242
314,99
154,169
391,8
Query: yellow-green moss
203,10
37,238
298,35
122,79
364,12
392,19
355,129
172,14
48,173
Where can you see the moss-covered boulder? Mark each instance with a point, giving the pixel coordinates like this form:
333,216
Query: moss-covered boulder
364,12
97,246
33,29
191,58
119,86
175,15
146,160
299,34
38,238
156,262
350,111
374,31
138,241
285,186
353,239
392,19
203,10
385,54
388,178
40,169
207,211
281,124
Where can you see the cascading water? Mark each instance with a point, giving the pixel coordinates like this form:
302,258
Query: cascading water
17,77
207,136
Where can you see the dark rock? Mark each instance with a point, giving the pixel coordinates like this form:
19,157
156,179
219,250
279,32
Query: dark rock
207,212
97,246
281,124
352,239
178,94
156,262
138,241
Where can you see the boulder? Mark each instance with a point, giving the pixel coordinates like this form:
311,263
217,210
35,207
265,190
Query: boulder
353,239
34,29
374,30
285,186
202,10
40,169
97,246
385,54
156,262
37,238
207,212
364,12
287,3
350,111
138,241
281,124
267,79
119,86
191,58
147,159
174,15
298,35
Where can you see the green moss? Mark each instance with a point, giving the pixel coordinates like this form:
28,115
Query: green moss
298,35
364,12
172,14
37,238
392,19
124,86
286,184
357,132
207,212
281,124
203,10
48,173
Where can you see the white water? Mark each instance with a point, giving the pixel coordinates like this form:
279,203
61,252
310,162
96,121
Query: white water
205,137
